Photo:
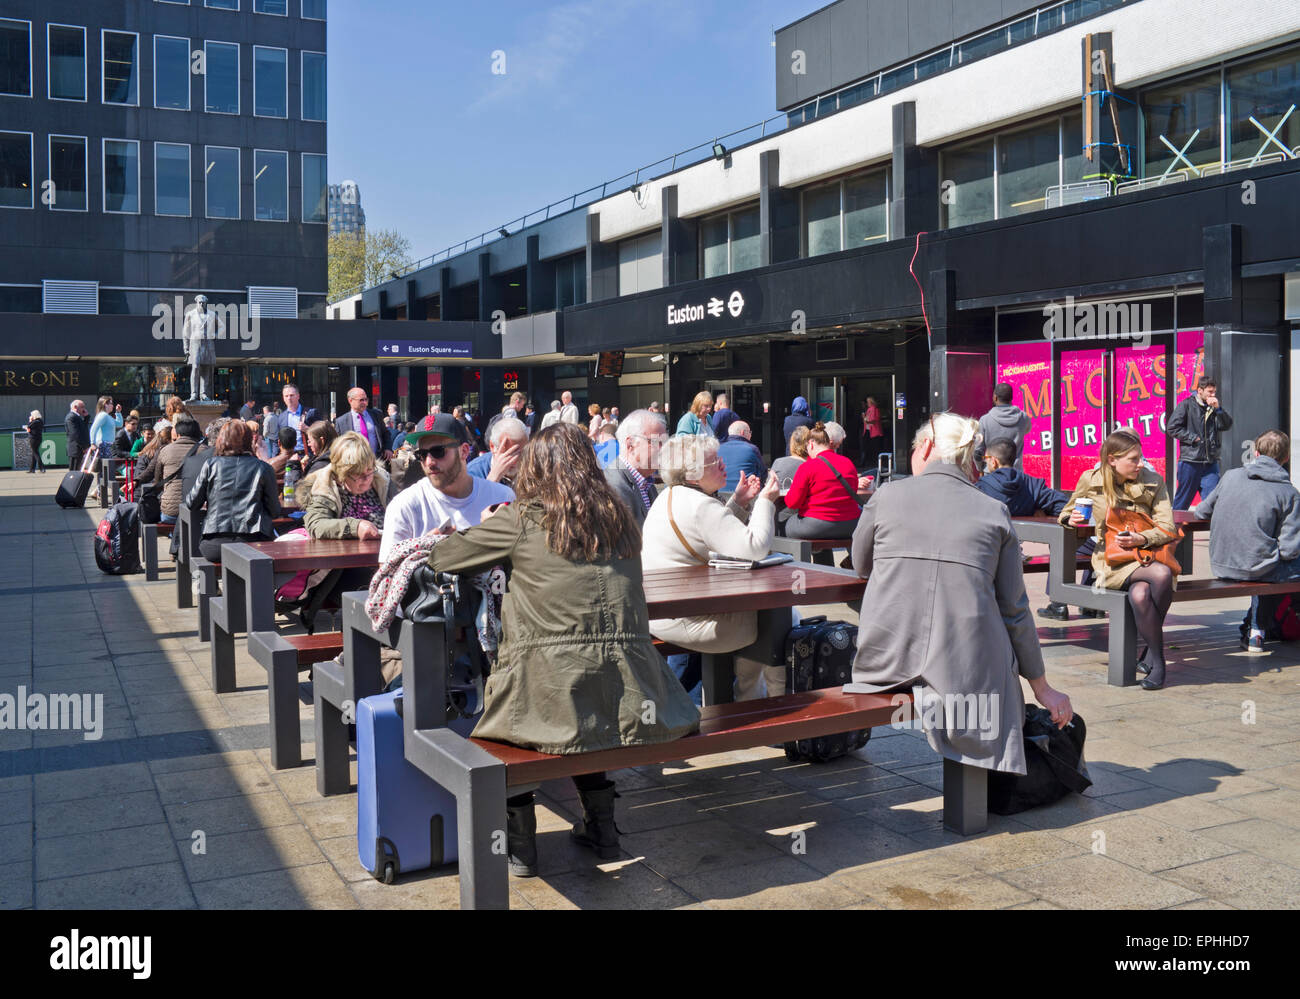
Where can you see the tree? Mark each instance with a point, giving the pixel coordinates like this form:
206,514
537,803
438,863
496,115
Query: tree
357,262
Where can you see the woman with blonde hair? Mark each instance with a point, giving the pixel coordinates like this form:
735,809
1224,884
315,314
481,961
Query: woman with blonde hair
1122,482
348,499
596,422
695,420
949,613
35,434
576,664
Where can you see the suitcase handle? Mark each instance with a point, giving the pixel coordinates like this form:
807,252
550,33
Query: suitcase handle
819,619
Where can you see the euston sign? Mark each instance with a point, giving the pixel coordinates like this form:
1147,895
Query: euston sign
714,308
423,348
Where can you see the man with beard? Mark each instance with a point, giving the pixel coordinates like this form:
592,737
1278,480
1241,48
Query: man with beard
448,494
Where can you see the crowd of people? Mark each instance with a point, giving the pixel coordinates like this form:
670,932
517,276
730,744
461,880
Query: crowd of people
583,511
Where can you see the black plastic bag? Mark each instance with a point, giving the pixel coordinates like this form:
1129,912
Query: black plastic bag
1055,764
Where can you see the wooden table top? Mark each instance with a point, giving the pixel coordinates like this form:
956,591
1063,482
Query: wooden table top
294,556
683,591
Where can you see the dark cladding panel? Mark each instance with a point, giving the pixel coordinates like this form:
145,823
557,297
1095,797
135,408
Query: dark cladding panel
813,38
929,24
850,38
886,38
968,16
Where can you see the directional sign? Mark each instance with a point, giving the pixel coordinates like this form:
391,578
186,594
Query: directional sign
423,348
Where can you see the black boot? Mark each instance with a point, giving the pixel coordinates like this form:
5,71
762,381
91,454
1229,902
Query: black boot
596,828
1055,611
521,837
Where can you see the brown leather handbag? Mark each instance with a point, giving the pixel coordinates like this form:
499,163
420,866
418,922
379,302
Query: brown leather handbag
1137,522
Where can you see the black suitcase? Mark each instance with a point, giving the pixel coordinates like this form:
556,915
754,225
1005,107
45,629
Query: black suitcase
818,654
76,484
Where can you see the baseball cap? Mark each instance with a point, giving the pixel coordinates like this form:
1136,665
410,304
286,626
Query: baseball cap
442,425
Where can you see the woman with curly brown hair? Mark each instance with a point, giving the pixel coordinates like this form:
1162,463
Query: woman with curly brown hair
576,663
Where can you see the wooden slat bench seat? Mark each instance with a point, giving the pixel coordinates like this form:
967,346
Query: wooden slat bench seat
481,773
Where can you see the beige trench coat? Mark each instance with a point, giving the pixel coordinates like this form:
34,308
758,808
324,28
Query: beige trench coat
945,608
576,668
1148,494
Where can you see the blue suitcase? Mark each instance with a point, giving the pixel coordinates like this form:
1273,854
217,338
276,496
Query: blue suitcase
405,822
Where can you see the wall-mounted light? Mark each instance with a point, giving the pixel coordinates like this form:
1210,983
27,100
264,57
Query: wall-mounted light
719,151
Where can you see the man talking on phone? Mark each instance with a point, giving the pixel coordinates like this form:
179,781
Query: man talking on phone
1197,423
447,499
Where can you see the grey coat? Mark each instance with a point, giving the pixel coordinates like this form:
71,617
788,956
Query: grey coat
1257,523
945,608
627,491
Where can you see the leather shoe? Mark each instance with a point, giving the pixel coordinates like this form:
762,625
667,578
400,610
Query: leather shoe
1091,612
1055,612
1155,678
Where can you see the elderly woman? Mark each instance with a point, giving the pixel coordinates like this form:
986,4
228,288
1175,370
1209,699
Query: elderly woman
348,499
1122,482
239,490
685,523
35,434
695,420
576,665
948,604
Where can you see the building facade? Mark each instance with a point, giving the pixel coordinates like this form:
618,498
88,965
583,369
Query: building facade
956,193
150,151
346,215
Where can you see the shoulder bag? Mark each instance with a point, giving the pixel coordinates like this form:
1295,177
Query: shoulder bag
678,531
847,488
1137,522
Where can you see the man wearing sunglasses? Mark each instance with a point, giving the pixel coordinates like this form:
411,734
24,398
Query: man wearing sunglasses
447,494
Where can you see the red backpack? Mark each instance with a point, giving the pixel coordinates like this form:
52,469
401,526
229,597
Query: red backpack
1286,620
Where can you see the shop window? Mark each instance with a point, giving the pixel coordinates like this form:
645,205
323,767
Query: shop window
1267,90
1028,164
966,184
1180,124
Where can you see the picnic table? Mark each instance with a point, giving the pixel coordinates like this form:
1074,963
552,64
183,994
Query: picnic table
250,575
479,772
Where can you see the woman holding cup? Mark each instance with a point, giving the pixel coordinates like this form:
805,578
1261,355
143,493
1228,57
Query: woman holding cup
1122,482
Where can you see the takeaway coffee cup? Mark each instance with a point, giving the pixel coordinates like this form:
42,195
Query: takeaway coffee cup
1085,510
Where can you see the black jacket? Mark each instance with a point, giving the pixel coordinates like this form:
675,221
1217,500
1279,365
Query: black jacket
78,431
348,422
1024,495
1197,427
123,443
241,495
621,482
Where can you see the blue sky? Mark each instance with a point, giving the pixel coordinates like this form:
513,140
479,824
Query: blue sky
444,149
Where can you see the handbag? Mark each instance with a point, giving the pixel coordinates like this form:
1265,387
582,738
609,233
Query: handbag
150,501
847,488
1054,765
678,531
1137,522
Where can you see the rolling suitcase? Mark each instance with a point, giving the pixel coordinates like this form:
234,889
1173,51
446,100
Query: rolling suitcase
405,822
819,653
76,484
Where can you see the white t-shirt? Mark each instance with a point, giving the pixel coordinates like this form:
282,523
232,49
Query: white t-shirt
421,508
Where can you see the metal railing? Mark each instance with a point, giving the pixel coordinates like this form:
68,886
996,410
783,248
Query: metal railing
1077,193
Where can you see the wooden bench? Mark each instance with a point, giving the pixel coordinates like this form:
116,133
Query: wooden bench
1122,650
481,774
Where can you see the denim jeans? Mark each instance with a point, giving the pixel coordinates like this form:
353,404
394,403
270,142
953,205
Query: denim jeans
678,664
1194,477
1262,609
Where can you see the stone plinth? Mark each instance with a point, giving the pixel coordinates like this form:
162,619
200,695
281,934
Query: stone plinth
205,412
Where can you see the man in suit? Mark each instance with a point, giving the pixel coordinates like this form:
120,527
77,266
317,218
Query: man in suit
369,423
77,427
640,436
295,415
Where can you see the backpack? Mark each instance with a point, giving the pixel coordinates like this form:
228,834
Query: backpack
117,541
1053,759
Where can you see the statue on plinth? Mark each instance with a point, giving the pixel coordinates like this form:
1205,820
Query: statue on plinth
201,329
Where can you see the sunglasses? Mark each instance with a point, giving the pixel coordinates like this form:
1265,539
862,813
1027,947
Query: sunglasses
437,452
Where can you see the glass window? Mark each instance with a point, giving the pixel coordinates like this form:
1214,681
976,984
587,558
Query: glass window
313,86
15,58
966,184
221,77
821,214
315,188
270,186
171,73
270,82
122,176
67,51
313,10
222,4
713,247
280,7
68,171
1181,124
1028,164
866,210
1267,90
171,179
16,170
1076,168
746,247
121,67
221,172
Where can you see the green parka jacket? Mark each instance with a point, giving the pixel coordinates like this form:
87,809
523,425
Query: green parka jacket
576,668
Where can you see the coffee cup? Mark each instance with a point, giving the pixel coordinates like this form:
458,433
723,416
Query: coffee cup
1085,510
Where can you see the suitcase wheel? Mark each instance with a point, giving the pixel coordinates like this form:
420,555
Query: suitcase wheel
388,873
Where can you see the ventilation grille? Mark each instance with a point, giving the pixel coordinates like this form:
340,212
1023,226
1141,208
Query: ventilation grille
276,303
77,297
